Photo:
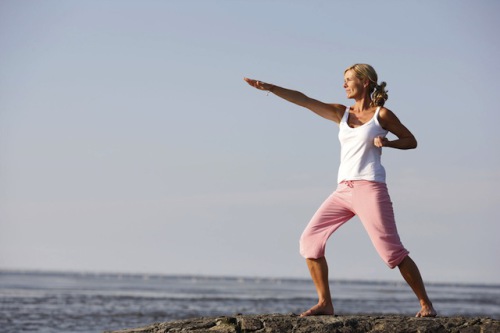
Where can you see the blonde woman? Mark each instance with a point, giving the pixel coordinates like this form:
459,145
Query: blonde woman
361,189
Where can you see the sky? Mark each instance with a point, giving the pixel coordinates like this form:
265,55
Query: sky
130,143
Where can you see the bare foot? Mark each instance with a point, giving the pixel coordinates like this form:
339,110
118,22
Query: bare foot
319,310
427,310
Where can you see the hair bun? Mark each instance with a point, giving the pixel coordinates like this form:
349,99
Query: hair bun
379,95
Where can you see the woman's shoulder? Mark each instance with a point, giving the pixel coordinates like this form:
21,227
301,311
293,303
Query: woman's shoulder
342,110
336,111
338,107
387,117
385,113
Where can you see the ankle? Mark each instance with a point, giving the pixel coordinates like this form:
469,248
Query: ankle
325,302
426,303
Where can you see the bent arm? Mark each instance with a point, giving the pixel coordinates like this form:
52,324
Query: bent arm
333,112
389,121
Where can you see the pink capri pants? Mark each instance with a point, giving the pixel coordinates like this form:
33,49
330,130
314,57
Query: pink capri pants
371,202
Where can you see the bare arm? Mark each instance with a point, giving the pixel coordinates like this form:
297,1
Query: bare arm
333,112
390,122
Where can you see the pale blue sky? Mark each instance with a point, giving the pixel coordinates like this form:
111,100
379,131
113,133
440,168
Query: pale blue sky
129,141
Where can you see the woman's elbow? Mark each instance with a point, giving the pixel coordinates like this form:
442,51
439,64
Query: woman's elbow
413,143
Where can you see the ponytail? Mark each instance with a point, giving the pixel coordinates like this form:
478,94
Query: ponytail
379,95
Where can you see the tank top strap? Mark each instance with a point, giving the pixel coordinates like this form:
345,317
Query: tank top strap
375,116
345,116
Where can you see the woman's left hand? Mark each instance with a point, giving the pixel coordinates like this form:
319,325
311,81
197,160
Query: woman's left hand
380,141
259,84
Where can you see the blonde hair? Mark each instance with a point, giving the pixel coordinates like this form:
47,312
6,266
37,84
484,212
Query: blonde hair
378,94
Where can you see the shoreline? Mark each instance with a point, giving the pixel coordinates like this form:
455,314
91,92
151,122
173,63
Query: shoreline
279,323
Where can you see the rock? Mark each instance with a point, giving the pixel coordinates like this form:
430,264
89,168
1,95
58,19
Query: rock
276,323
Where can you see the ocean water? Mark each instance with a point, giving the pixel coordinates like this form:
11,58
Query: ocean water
83,302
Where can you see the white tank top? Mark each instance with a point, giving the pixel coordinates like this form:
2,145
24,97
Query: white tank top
359,157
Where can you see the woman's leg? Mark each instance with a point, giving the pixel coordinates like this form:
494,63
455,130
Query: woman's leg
330,216
411,274
319,274
334,212
374,207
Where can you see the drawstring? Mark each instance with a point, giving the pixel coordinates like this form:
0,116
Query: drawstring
349,183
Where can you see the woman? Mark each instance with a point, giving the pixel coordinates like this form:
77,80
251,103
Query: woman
361,181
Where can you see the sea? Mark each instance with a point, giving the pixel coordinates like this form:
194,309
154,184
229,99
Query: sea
91,302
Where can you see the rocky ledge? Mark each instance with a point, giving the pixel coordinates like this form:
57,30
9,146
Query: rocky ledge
322,324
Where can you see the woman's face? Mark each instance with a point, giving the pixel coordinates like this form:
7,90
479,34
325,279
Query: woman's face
353,86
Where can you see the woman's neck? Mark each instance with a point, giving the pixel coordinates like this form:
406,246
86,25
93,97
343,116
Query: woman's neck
362,105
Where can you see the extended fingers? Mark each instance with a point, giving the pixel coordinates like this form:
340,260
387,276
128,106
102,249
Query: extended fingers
255,83
251,82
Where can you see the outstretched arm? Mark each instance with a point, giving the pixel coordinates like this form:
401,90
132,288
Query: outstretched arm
390,122
333,112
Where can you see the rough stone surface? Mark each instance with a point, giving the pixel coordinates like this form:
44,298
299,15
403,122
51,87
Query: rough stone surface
277,323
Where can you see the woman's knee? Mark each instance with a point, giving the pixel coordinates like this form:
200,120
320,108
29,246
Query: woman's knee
394,260
311,248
